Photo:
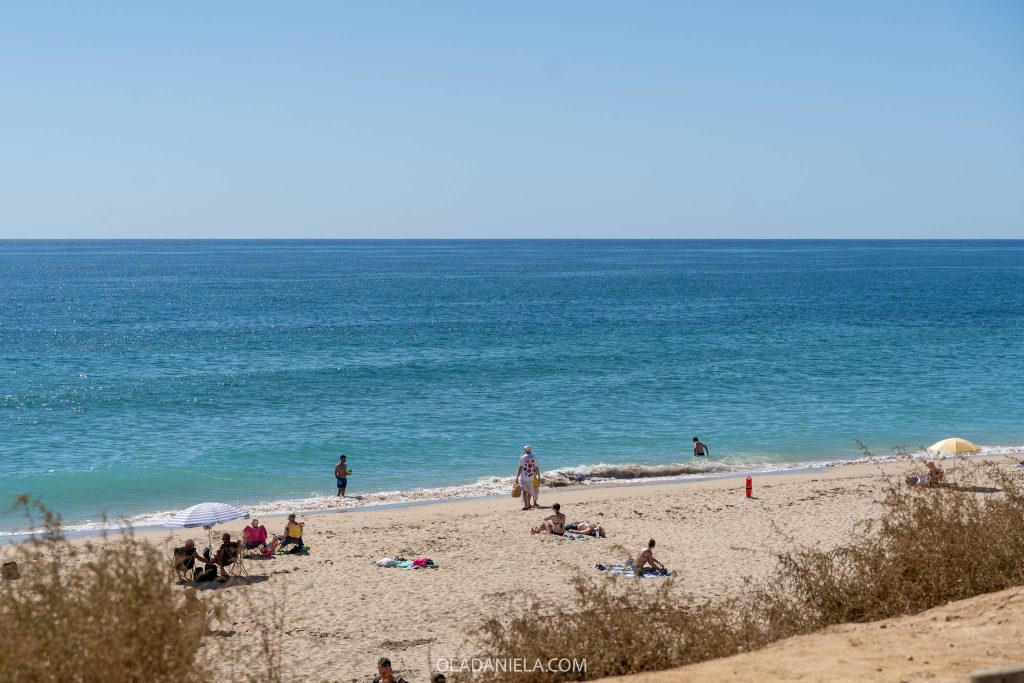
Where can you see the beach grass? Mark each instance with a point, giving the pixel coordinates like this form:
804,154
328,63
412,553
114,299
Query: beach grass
929,547
112,610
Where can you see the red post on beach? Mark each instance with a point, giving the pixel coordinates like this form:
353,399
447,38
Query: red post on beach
750,487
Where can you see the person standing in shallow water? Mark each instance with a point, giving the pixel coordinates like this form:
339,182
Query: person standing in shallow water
700,448
341,475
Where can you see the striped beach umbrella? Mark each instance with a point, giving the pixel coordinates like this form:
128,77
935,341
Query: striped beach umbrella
206,515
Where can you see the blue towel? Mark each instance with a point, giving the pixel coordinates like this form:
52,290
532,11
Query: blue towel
627,570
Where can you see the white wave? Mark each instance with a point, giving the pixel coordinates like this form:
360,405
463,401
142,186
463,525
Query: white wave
582,475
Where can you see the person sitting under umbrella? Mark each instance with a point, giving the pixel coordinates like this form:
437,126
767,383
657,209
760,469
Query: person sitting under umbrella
226,554
934,476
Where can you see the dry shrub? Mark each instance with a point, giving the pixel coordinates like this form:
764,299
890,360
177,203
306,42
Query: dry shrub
90,611
930,546
108,611
617,630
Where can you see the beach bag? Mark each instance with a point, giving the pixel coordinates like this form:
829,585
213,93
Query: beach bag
536,482
516,490
9,571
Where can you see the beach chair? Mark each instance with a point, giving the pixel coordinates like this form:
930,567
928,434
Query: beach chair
231,562
184,563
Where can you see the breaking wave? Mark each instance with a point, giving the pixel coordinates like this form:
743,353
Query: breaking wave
581,475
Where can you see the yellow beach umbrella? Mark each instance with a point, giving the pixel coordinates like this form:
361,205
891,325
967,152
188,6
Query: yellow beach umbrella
954,446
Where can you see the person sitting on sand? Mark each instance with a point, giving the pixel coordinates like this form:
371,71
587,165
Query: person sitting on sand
254,535
645,562
934,476
385,674
552,524
293,532
586,528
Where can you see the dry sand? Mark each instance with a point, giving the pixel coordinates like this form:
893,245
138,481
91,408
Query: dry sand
342,613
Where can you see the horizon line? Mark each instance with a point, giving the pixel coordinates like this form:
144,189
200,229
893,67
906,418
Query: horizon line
511,239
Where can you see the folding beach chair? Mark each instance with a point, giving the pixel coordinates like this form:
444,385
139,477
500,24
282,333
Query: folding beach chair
231,562
184,563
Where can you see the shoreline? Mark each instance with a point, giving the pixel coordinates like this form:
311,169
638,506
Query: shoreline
707,532
114,529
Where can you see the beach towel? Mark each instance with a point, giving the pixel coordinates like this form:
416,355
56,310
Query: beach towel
402,563
627,570
294,550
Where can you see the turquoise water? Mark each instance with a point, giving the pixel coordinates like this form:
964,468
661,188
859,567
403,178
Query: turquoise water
139,377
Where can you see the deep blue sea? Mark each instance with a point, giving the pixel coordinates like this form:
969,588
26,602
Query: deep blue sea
138,377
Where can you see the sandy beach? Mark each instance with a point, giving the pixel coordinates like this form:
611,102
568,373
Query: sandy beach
342,613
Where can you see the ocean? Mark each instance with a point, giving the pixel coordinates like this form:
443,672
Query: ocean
140,377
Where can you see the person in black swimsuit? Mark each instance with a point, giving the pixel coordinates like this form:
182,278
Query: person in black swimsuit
552,524
700,448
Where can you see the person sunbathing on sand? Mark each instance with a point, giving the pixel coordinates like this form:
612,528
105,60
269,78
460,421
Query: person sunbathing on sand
645,562
586,528
553,524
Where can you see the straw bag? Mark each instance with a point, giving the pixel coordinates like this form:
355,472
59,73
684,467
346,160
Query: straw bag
516,490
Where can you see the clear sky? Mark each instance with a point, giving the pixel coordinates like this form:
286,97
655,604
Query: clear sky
479,119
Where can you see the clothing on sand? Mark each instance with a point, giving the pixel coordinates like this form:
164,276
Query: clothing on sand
628,570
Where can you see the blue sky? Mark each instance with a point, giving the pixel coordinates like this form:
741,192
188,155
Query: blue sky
571,119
